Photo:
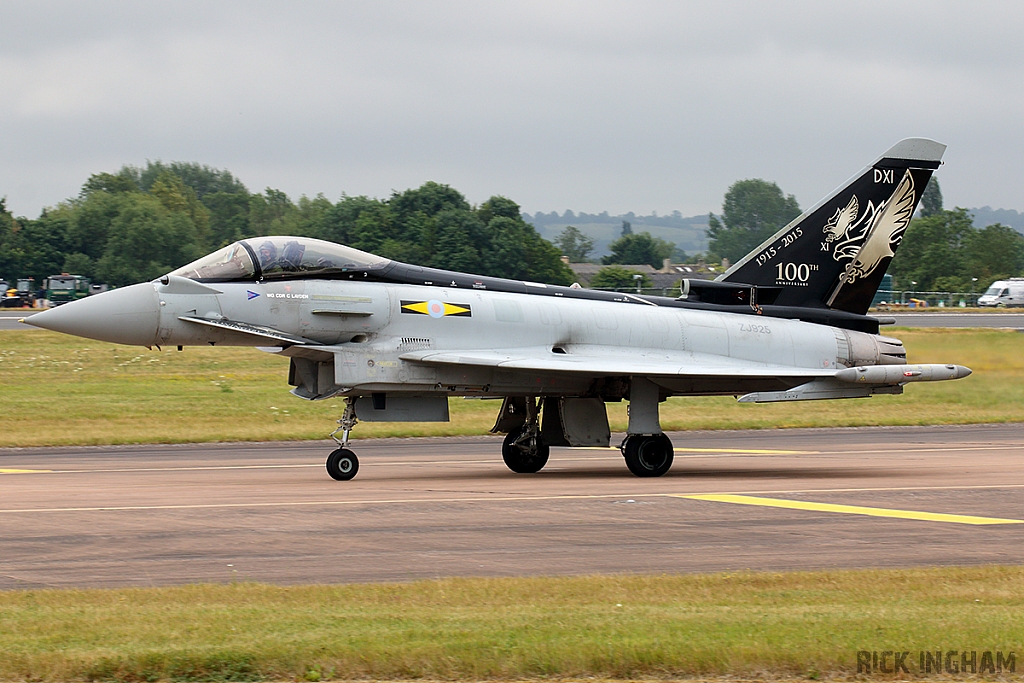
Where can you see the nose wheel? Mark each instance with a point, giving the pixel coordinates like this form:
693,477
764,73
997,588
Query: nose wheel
342,464
523,452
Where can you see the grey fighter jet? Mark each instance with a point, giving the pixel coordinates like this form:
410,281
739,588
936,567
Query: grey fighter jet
786,323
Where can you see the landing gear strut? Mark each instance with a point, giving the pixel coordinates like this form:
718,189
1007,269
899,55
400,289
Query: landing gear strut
523,451
342,464
648,452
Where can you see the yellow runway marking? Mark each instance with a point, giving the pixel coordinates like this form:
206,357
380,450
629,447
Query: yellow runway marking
714,497
848,509
10,471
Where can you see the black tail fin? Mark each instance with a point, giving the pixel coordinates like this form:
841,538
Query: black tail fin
836,253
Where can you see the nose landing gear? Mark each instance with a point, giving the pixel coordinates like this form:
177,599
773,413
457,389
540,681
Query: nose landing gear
342,464
523,450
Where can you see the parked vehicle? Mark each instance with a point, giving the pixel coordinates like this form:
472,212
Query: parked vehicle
21,295
1004,293
63,288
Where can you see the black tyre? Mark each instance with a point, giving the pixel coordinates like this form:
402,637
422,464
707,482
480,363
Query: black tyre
342,464
648,456
524,456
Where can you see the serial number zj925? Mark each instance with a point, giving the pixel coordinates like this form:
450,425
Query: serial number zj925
784,241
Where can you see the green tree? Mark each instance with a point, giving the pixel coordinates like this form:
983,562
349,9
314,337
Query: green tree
229,217
110,183
79,264
145,241
634,249
574,244
204,180
931,199
933,248
30,248
498,206
617,277
753,211
993,253
271,212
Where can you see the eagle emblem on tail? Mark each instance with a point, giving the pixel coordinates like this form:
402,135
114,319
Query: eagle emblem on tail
886,231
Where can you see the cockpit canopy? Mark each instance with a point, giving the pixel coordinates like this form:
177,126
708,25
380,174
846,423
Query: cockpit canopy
279,258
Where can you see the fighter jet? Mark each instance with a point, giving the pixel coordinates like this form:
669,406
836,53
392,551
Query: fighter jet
786,323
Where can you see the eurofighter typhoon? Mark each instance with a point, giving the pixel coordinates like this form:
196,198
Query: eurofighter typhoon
786,323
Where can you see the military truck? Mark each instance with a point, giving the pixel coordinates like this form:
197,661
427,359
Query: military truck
63,288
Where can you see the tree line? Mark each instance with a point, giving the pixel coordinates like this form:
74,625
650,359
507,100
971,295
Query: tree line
140,223
941,251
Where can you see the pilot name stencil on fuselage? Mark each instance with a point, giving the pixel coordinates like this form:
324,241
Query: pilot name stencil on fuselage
286,295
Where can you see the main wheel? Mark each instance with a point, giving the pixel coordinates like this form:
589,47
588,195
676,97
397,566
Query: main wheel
648,456
524,455
342,464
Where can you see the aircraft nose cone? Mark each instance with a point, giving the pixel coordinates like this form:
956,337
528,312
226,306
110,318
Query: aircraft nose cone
130,315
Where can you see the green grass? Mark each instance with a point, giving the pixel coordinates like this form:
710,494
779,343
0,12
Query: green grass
745,624
60,390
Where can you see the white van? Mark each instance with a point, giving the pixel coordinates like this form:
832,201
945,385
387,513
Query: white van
1004,293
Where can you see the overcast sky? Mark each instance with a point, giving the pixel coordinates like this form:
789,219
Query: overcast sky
631,106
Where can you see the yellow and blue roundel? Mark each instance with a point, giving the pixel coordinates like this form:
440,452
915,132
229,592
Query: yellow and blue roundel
437,309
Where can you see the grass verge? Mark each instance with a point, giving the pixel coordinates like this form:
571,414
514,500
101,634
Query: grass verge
746,624
60,390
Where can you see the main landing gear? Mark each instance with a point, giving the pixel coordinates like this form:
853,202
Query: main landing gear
648,452
342,464
647,455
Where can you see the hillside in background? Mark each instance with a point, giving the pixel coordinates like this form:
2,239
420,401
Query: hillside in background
686,232
986,216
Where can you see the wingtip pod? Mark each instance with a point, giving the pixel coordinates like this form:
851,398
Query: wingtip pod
900,374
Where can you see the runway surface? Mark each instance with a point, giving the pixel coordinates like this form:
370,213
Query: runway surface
9,318
421,508
1014,320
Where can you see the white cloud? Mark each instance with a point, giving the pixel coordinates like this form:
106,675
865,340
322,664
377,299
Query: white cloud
589,106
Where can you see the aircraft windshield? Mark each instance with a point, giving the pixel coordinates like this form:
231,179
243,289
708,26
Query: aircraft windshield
279,258
230,263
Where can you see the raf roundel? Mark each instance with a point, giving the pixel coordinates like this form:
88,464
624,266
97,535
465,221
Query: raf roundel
437,309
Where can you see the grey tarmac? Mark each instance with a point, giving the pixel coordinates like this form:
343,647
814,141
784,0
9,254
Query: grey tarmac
1009,320
423,508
